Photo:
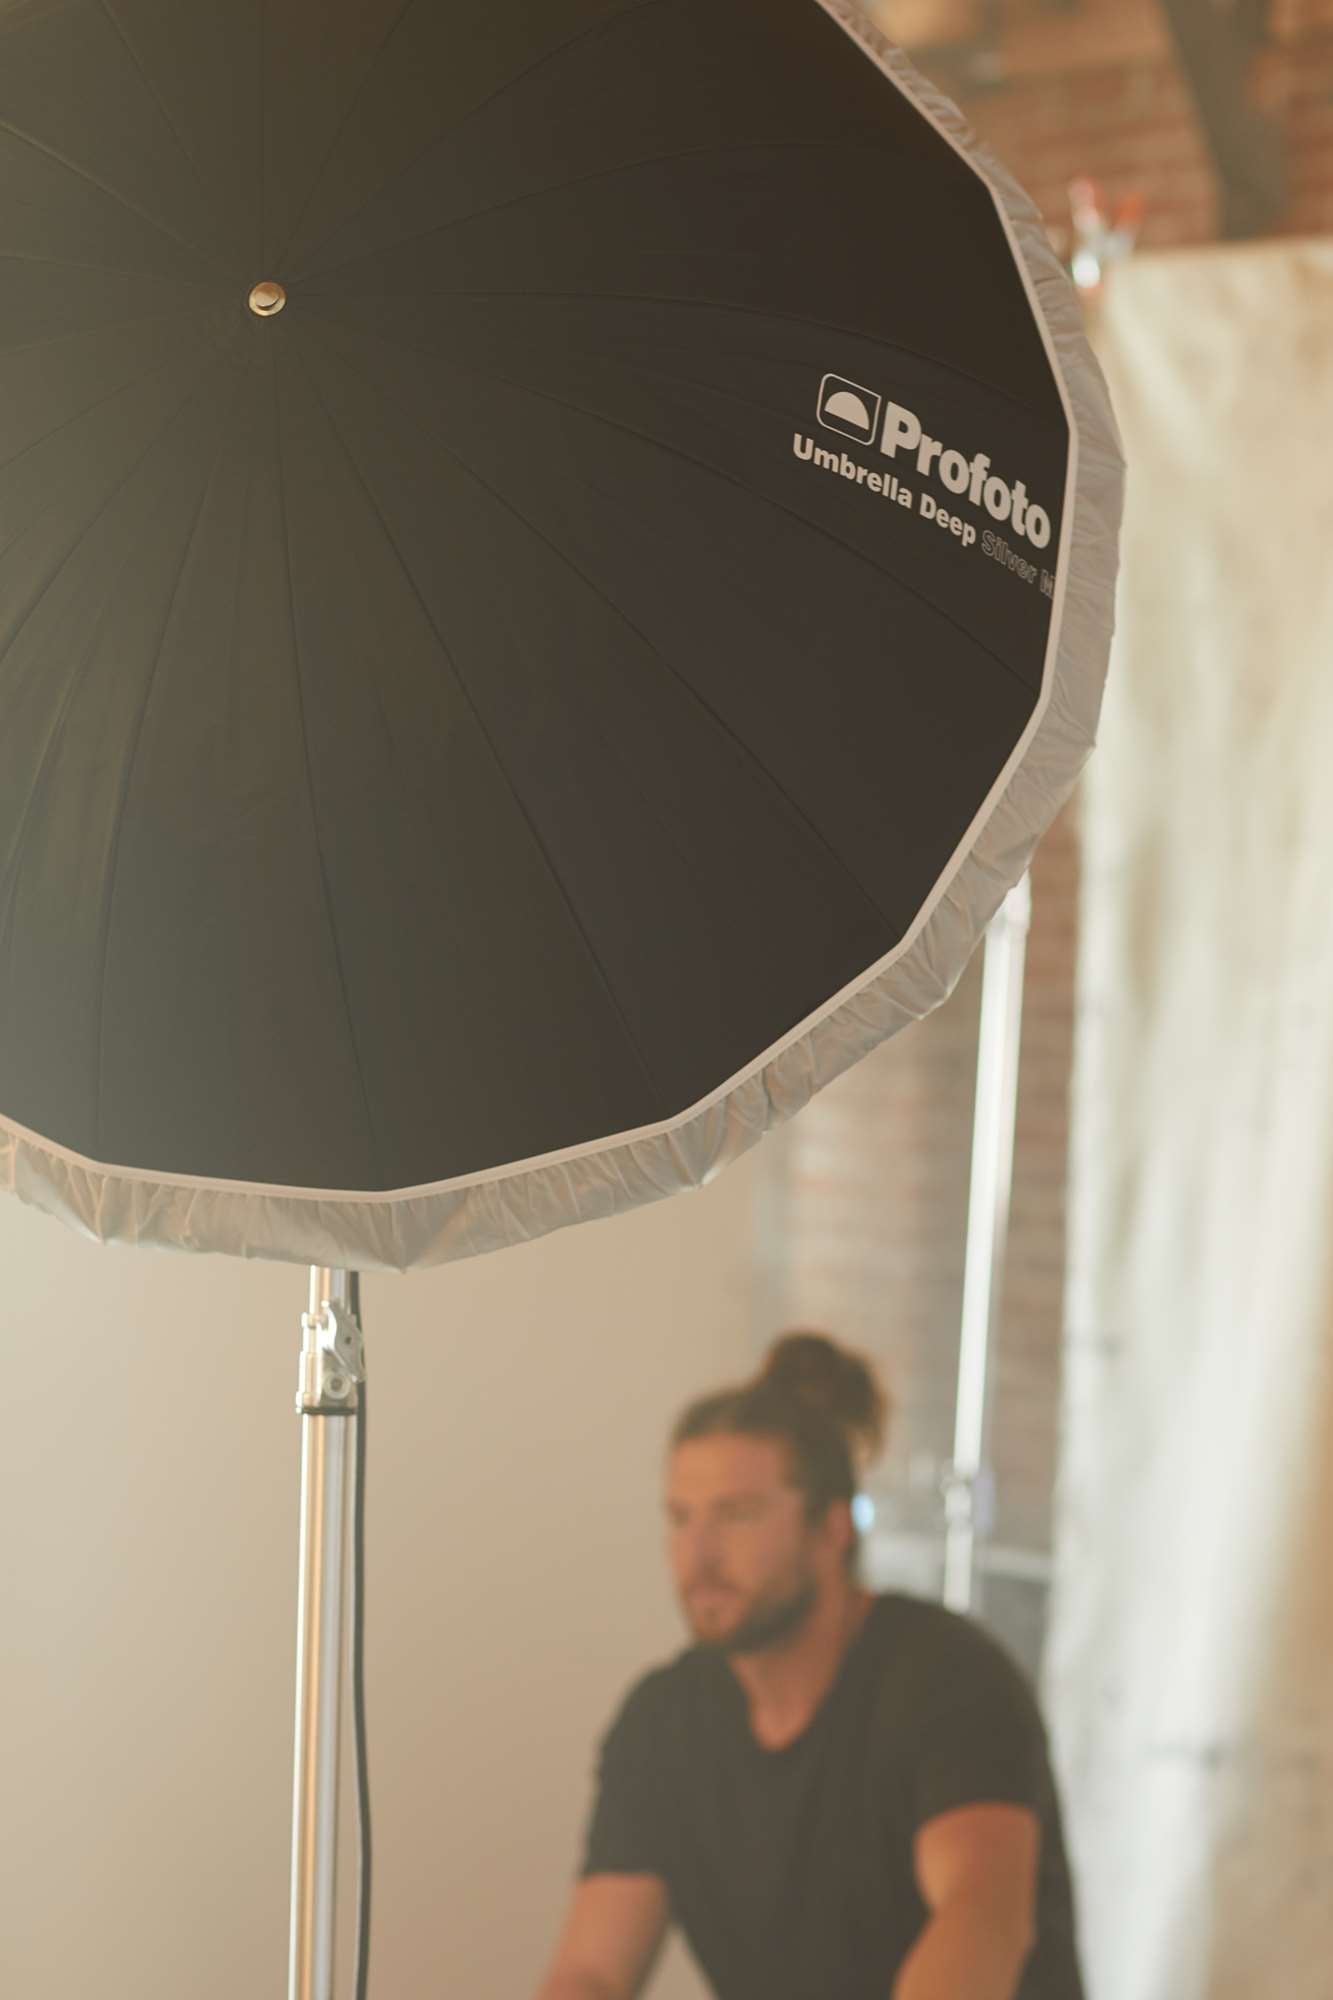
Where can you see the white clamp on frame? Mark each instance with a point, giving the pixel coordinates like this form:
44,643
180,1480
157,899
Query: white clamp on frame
332,1355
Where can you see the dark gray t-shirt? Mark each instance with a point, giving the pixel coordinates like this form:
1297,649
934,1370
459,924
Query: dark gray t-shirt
790,1871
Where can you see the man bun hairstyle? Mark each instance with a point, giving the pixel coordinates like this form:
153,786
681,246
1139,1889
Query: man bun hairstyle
824,1402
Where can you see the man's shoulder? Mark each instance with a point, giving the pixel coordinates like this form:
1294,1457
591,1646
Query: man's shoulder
903,1614
657,1694
927,1648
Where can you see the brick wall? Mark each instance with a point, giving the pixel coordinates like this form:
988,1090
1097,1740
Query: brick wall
1095,88
865,1195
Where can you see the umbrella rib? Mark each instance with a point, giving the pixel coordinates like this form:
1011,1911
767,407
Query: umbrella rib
117,270
719,721
92,521
582,180
88,408
500,766
729,306
352,102
690,458
122,803
298,686
153,93
471,112
57,728
81,173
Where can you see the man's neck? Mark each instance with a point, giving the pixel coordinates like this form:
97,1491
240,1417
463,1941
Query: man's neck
784,1684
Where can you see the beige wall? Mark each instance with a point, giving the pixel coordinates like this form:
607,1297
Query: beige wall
150,1481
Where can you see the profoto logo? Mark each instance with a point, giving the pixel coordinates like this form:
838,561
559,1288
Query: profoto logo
859,413
847,407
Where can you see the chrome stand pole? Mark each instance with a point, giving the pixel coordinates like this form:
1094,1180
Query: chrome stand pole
331,1366
967,1483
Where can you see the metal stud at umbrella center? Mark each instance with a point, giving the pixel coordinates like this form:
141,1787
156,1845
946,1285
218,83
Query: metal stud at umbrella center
269,297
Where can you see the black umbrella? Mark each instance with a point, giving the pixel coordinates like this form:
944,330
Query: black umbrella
555,561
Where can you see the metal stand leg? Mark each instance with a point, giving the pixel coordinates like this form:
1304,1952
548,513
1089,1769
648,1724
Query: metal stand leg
331,1366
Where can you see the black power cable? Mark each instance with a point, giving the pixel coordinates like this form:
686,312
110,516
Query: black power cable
358,1666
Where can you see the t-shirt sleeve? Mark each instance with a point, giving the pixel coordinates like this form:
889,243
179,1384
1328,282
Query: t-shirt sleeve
979,1737
625,1832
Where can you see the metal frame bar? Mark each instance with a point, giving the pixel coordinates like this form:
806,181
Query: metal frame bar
1215,44
967,1484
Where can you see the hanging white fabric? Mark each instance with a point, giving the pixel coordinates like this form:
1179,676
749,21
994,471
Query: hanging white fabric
1188,1672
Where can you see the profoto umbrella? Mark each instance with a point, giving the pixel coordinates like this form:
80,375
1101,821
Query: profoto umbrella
555,561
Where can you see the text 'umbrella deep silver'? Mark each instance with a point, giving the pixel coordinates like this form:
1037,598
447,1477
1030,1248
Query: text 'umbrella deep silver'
555,562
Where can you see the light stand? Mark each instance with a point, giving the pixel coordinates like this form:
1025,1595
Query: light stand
967,1482
332,1364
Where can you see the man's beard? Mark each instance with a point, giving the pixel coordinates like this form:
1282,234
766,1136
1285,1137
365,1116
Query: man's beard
768,1625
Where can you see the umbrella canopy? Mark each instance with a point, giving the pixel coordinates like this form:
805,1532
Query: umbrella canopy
555,561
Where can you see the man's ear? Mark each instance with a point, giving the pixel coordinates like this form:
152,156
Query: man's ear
836,1526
